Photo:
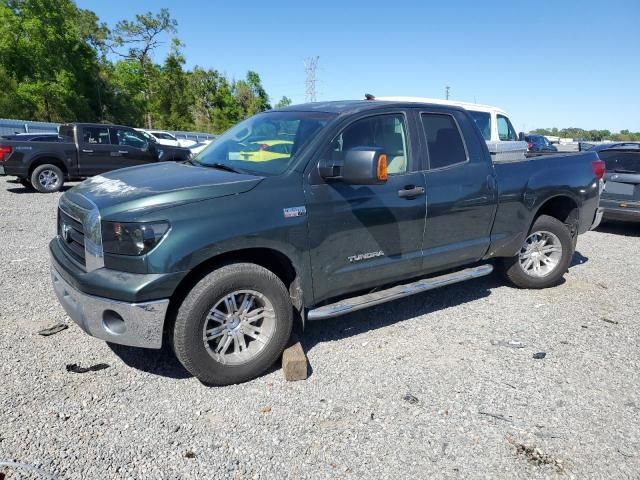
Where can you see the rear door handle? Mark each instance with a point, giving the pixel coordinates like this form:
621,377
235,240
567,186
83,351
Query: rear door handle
123,152
411,192
86,151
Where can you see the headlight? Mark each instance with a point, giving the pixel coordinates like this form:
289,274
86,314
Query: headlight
132,238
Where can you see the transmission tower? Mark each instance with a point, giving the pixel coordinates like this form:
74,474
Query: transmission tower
310,66
446,91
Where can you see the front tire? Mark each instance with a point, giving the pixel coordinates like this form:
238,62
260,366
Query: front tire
47,178
233,325
544,256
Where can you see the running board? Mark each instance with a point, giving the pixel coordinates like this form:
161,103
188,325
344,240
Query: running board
399,291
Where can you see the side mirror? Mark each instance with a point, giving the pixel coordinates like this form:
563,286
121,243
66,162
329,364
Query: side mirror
362,166
521,136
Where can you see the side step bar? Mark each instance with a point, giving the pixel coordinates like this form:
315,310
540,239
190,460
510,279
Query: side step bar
399,291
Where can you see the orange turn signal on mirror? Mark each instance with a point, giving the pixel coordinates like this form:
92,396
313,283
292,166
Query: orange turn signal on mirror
382,167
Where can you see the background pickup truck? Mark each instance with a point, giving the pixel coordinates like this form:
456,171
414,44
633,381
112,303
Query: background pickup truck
366,202
82,150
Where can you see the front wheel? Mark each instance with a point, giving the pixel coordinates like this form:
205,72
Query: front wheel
544,256
233,325
47,178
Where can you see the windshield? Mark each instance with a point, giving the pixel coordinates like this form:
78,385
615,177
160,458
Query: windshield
266,143
483,120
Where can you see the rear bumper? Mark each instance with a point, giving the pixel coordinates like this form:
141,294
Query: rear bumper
133,324
620,210
13,169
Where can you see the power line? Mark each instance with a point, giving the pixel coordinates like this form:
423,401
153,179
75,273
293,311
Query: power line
310,66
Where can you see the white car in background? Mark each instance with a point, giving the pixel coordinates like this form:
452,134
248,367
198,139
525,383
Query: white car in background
166,138
198,147
493,122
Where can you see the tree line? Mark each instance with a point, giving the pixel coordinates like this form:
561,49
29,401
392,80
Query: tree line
589,135
60,63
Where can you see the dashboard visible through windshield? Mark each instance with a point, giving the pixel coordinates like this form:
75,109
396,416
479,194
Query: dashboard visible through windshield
266,143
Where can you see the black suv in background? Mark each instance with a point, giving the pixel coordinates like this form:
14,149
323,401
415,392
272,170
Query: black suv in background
621,197
539,144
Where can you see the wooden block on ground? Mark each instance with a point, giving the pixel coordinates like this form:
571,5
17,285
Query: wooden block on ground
294,363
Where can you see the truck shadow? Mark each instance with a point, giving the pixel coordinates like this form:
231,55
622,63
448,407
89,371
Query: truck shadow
164,363
157,362
627,229
578,259
397,311
20,190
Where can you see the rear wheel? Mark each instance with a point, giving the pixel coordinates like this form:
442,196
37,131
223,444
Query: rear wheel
233,325
544,256
47,178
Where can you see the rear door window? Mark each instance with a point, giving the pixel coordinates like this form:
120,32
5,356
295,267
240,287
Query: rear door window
483,121
506,132
128,138
444,141
621,161
95,135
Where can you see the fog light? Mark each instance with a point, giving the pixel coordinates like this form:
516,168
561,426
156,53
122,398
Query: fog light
113,322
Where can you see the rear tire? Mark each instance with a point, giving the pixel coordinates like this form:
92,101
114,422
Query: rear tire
544,257
233,325
47,178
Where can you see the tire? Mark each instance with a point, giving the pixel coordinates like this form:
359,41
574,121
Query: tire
241,281
548,238
47,178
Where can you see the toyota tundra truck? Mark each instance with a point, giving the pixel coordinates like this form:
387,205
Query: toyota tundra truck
367,202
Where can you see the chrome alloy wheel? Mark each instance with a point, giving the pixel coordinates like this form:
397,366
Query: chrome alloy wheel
48,179
540,254
238,327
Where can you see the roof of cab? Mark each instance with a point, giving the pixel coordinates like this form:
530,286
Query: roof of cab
354,106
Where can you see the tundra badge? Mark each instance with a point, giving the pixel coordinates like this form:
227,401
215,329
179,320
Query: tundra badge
365,256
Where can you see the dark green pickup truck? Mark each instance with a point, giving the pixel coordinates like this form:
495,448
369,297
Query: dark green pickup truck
307,213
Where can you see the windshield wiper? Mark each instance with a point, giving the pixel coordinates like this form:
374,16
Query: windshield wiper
221,166
623,170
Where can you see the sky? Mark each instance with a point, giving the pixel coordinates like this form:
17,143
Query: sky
548,63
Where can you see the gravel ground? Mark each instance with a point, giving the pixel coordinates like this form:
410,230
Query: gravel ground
440,385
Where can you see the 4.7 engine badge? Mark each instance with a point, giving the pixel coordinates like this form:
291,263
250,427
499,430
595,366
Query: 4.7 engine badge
294,212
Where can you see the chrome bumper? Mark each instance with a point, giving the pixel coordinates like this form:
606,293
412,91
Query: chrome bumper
597,218
133,324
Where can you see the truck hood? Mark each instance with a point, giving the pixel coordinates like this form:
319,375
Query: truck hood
150,187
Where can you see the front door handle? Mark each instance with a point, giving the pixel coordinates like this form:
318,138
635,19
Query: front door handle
411,192
123,152
84,150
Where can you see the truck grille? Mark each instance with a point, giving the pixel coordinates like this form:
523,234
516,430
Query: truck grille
71,235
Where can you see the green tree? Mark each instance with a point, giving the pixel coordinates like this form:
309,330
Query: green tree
174,96
214,107
284,102
49,49
140,38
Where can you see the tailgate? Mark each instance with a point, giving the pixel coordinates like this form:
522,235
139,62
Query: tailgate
622,176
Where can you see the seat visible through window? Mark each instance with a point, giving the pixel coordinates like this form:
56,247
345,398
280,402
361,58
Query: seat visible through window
387,132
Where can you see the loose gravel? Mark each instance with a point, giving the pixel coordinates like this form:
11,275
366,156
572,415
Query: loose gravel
440,385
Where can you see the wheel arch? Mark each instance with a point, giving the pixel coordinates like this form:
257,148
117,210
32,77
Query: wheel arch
47,160
270,258
563,207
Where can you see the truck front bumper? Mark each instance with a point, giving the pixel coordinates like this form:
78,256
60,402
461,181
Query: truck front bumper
133,324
